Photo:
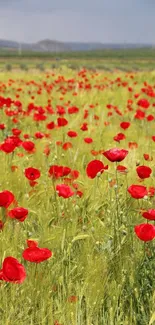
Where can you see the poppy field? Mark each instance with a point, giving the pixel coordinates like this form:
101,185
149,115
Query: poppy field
77,197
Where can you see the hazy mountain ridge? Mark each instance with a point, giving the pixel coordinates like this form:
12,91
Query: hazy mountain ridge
48,45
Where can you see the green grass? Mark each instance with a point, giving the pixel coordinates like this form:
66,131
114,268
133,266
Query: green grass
113,285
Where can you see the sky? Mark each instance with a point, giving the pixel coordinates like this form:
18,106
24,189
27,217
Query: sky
107,21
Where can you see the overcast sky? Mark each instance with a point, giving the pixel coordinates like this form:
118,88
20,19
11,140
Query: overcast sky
78,20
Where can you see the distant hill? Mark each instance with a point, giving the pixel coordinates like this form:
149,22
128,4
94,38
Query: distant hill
48,45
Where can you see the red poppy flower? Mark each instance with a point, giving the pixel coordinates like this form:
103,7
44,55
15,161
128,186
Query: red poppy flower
33,183
62,121
115,154
122,169
88,140
120,136
153,138
28,146
94,167
50,126
32,173
60,110
14,140
59,171
2,126
72,134
79,193
6,198
64,191
84,127
12,270
147,157
39,135
125,125
16,132
32,243
145,231
133,145
73,110
150,118
150,214
140,115
74,174
7,147
143,171
137,191
94,153
36,254
18,213
151,191
26,136
144,103
67,145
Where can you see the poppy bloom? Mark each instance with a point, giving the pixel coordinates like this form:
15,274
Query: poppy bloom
144,103
6,198
150,118
125,125
74,174
72,134
88,140
147,157
94,167
67,145
36,254
115,154
2,126
7,147
39,135
120,136
144,172
32,243
133,145
59,171
62,121
151,191
64,191
122,169
137,191
12,270
94,153
50,126
145,231
18,213
84,127
33,183
150,214
140,115
28,146
73,110
32,173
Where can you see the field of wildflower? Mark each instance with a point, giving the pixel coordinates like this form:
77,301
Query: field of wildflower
77,197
